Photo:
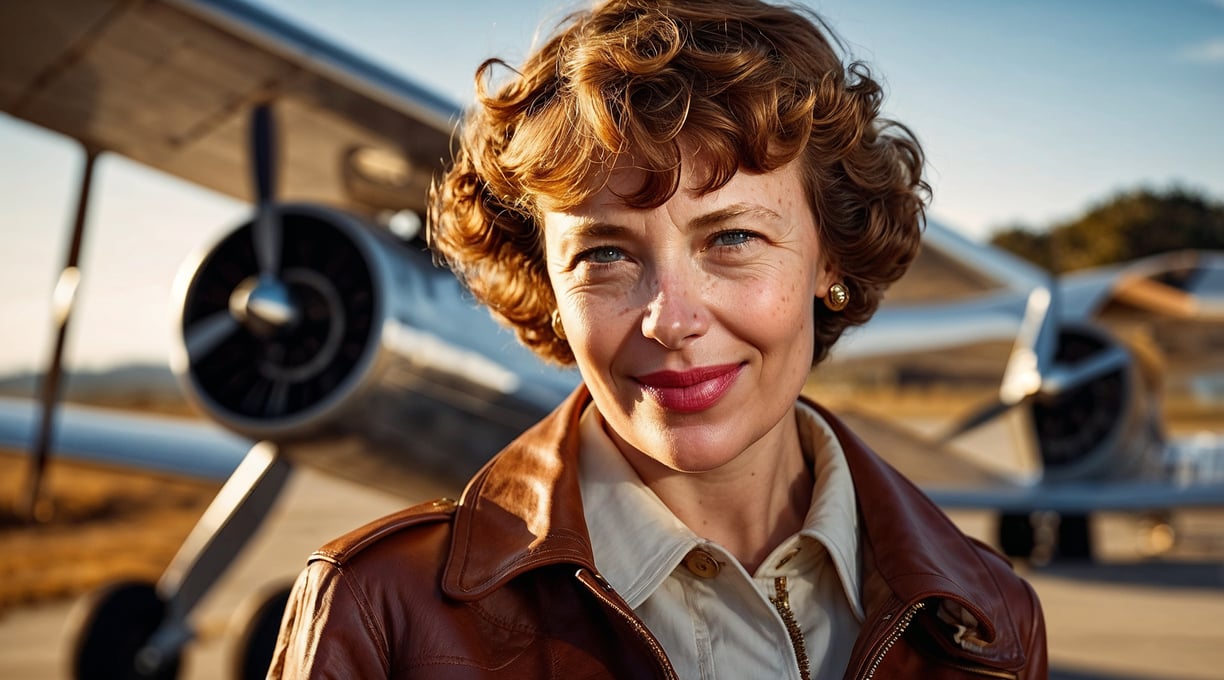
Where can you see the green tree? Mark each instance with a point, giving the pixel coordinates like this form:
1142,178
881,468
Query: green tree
1129,225
1031,245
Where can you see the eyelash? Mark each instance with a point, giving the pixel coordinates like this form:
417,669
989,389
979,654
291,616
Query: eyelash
588,256
743,240
744,236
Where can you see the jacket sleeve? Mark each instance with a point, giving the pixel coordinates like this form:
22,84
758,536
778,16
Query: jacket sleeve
1038,655
328,630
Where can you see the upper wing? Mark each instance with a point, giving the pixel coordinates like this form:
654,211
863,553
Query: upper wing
1183,285
956,293
169,83
170,445
952,267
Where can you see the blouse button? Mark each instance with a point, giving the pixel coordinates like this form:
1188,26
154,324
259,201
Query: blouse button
787,558
702,564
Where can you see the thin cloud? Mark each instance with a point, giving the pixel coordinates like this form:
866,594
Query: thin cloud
1210,52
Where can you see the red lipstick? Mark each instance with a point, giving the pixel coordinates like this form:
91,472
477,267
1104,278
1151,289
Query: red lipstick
689,391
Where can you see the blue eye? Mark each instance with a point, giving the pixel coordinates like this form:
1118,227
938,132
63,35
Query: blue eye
602,255
737,237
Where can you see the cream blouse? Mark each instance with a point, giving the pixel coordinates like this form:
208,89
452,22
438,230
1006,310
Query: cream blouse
713,618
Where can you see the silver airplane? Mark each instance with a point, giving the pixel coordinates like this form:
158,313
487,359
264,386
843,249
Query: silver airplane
315,337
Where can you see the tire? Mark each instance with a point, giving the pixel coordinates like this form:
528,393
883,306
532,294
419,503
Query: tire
1074,538
110,628
255,627
1016,538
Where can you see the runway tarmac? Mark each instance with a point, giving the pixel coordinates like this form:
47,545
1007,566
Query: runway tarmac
1127,618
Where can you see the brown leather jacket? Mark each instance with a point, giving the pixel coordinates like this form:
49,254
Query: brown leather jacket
503,584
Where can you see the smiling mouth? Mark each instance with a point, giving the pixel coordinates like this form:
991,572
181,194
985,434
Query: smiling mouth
690,391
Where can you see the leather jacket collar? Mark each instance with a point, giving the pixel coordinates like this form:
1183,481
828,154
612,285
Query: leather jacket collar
523,510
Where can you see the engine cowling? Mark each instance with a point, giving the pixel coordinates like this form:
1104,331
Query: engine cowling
1103,427
382,370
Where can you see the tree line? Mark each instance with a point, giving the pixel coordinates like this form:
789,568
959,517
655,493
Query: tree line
1129,225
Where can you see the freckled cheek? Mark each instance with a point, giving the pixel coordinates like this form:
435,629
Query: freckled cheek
771,311
599,322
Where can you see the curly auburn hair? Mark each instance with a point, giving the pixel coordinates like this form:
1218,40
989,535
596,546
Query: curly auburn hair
754,86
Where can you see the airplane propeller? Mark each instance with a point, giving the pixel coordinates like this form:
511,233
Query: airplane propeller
267,232
267,307
1033,369
262,304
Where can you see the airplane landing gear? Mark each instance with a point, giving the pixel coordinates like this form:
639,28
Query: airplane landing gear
1042,537
110,628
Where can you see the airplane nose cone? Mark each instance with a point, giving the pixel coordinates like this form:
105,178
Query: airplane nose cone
264,305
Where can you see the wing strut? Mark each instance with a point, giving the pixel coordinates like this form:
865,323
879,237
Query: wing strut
62,304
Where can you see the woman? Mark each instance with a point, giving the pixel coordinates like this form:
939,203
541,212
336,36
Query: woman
690,201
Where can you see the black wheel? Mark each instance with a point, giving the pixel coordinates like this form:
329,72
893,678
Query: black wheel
1016,537
255,627
111,626
1074,537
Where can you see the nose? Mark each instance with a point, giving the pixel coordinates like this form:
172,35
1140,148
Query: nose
676,313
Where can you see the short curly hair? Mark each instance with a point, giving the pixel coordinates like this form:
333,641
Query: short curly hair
753,85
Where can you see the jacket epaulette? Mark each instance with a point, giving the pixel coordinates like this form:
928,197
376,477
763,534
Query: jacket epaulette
345,547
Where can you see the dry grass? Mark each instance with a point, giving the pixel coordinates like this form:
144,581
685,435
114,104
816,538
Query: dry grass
104,525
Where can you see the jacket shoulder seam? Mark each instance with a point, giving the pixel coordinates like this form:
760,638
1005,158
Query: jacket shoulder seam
372,627
346,547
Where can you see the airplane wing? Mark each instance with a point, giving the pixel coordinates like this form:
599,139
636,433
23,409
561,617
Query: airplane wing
107,437
951,267
1192,476
1182,285
1083,497
170,83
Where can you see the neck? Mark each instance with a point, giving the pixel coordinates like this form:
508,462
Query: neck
750,505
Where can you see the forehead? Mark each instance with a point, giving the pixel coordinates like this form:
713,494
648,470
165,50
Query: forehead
780,190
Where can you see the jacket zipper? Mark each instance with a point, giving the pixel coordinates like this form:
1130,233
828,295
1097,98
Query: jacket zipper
895,634
899,629
782,604
600,589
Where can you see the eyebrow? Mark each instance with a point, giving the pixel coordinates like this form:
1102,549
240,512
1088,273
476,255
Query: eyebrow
731,212
592,230
589,230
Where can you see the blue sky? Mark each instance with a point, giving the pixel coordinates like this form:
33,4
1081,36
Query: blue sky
1029,112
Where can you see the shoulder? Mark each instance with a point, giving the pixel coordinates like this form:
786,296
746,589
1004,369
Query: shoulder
424,523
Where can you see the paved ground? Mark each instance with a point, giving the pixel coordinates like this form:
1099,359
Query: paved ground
1126,619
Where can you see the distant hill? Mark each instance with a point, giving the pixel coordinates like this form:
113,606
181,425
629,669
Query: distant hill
140,387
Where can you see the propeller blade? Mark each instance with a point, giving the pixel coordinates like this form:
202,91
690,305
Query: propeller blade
981,416
1045,345
1033,350
206,334
262,152
1069,377
266,230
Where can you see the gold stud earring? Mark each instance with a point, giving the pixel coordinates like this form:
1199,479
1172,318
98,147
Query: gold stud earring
558,329
837,298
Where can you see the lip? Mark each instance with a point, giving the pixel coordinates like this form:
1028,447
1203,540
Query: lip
690,391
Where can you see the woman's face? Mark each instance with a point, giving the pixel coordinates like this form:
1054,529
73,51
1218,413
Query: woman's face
692,322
